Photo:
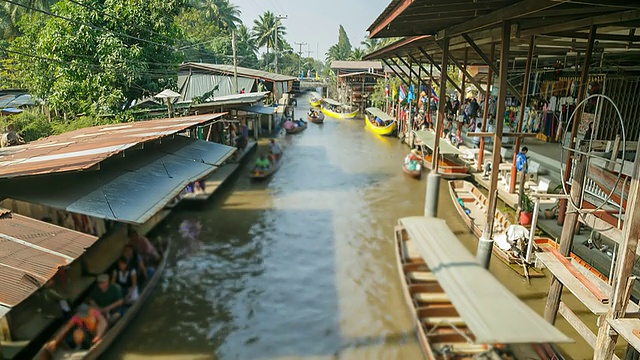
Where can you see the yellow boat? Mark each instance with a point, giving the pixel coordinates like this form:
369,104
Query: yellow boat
315,99
337,115
380,130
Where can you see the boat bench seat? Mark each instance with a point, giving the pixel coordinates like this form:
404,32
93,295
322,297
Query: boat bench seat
443,321
422,276
432,297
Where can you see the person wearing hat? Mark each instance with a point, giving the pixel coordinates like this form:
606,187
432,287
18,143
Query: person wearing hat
107,298
85,328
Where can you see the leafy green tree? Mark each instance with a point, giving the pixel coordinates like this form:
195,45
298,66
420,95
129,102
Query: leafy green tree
357,54
341,50
126,52
11,13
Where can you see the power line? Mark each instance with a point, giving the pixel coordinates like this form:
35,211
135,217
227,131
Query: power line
300,56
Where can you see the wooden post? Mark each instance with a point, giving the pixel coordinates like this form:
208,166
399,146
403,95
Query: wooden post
523,180
485,111
566,239
606,342
441,102
614,153
485,243
464,77
582,90
523,104
429,90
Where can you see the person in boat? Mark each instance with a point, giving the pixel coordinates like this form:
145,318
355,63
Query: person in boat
143,246
262,162
300,122
107,298
135,261
84,329
127,279
379,121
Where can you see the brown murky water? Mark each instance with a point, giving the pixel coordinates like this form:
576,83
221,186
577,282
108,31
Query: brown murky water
301,266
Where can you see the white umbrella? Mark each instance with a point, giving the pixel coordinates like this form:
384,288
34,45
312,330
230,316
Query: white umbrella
167,94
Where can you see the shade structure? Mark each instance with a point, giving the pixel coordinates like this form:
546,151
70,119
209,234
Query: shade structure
491,311
167,94
263,110
428,139
379,113
332,102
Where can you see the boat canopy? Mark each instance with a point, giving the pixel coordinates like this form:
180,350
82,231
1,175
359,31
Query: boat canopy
332,102
490,310
315,95
379,113
428,138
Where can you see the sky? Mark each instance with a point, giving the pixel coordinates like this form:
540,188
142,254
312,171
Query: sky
316,22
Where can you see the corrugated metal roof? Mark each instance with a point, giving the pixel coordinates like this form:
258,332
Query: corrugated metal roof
196,150
241,71
129,189
491,311
264,110
360,73
356,65
83,148
234,99
15,100
31,251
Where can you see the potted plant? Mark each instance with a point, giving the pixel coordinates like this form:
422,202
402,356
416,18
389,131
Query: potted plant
526,211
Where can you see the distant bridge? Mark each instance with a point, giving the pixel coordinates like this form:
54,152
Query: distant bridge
312,83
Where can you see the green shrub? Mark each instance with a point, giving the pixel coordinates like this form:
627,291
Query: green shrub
30,124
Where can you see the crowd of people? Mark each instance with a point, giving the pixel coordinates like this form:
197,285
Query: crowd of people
116,290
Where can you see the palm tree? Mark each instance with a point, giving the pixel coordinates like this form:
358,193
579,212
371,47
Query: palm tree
263,31
10,14
244,37
222,12
357,54
370,45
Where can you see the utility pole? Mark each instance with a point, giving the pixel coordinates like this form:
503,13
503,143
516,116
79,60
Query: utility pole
275,47
235,61
309,51
300,56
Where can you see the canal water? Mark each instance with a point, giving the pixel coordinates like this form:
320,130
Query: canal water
301,266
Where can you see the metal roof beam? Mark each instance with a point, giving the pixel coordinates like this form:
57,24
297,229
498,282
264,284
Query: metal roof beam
514,11
607,19
604,37
465,72
399,9
423,69
493,66
449,80
395,65
410,69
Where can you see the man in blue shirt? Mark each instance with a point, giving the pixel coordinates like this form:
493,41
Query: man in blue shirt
521,160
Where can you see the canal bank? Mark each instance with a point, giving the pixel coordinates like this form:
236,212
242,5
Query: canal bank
302,266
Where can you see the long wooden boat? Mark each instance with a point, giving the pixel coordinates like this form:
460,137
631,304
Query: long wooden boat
606,180
260,174
449,166
318,119
297,129
338,115
112,333
380,130
467,198
315,101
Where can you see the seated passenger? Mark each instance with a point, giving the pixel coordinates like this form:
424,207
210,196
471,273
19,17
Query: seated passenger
127,280
85,328
107,298
135,261
262,162
143,246
379,121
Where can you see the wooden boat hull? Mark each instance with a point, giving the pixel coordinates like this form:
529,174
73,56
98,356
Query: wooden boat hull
416,174
336,115
316,120
315,103
297,129
477,205
449,168
380,130
427,302
606,180
263,174
112,333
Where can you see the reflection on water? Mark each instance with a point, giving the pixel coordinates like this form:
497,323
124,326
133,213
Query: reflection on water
300,266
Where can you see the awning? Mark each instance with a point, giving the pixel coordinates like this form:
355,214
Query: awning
379,113
128,189
331,102
10,111
493,314
264,110
31,251
428,139
315,95
197,150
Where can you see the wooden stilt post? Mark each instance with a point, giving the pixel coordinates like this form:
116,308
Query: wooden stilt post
566,239
582,90
430,89
485,111
441,103
523,105
485,243
606,341
462,95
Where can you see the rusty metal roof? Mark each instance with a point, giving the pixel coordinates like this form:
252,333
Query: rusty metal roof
31,251
84,148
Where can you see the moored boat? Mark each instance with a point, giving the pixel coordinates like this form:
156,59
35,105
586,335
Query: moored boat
297,129
387,129
315,99
118,327
337,110
316,118
472,206
450,166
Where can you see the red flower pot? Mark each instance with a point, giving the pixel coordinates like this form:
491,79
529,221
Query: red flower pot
525,218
